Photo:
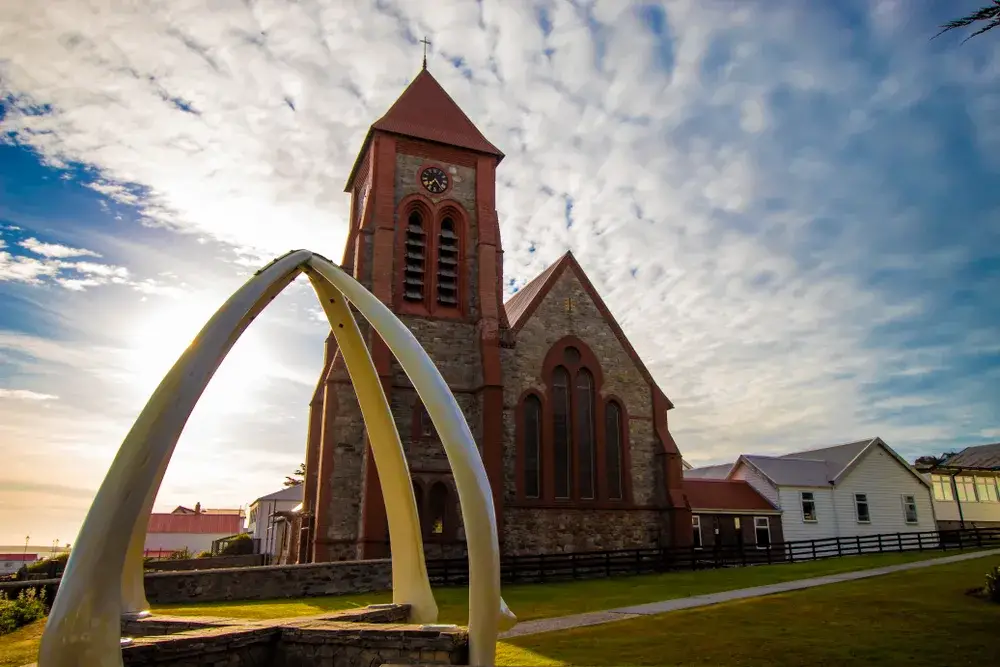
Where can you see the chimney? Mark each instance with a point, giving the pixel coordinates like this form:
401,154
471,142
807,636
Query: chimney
197,508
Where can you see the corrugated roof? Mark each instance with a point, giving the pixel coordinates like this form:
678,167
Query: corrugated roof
982,457
724,494
788,471
201,524
287,493
517,305
20,558
709,472
837,455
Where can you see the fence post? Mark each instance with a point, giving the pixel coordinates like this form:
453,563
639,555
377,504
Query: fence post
857,538
513,569
840,548
743,554
607,564
899,539
979,540
768,554
444,562
920,541
541,568
960,539
638,562
880,542
814,549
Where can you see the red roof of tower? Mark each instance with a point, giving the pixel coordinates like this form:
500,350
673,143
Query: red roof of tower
426,111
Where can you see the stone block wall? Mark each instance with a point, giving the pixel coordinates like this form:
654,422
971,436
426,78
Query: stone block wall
269,582
532,531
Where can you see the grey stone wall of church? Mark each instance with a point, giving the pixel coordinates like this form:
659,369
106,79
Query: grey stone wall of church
345,486
529,530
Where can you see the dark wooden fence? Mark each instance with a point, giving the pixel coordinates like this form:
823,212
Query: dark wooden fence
597,564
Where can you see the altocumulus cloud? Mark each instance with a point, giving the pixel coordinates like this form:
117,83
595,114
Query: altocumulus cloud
754,188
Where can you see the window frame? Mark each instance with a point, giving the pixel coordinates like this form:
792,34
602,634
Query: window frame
990,486
906,504
696,530
963,485
757,527
802,506
533,397
620,435
859,500
944,483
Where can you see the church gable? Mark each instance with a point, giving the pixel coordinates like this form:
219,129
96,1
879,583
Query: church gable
562,299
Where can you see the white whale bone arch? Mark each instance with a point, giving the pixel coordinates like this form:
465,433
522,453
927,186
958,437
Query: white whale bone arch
104,573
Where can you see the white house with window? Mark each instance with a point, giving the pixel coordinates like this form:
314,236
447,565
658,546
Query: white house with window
856,489
967,488
264,522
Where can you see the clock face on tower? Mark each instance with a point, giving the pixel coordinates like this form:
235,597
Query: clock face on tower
434,180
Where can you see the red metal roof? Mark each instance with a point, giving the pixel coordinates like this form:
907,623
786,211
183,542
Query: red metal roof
426,111
724,494
203,524
24,558
517,305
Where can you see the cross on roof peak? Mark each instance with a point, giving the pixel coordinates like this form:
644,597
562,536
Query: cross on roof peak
426,43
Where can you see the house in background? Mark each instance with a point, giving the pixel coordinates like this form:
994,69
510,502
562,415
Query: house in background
11,563
856,489
967,488
731,513
191,529
265,520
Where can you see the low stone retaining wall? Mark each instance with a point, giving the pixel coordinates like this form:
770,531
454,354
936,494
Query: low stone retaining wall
212,563
249,583
269,582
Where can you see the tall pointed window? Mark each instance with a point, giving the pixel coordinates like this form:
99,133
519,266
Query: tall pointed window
562,432
613,449
584,411
439,508
414,256
447,264
532,416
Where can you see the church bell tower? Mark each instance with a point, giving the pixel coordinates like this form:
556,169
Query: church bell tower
425,239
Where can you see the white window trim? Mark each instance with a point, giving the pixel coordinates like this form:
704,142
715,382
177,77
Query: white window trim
916,510
857,514
802,508
767,524
696,523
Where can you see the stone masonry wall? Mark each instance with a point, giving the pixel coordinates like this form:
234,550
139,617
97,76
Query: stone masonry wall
345,487
532,530
270,582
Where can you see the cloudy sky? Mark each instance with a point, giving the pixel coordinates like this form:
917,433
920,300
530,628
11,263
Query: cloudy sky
791,207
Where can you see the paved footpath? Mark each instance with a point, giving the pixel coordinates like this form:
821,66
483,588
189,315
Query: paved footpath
624,613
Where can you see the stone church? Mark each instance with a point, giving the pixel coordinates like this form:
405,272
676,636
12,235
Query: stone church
570,423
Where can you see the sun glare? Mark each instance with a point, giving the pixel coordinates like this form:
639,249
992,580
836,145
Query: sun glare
166,329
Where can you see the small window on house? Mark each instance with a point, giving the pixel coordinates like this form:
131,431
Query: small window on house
696,532
736,523
414,252
942,487
762,531
966,487
808,506
986,489
438,507
447,264
861,508
532,447
910,509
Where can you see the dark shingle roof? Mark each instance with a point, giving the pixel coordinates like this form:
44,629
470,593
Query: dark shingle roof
982,457
724,494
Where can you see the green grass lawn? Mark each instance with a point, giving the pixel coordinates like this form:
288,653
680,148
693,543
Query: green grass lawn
531,601
915,618
528,601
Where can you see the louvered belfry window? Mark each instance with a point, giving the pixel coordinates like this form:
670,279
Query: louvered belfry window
414,258
447,264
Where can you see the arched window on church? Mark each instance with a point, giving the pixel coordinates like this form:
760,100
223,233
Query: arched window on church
414,255
532,424
562,433
583,408
438,509
613,439
447,264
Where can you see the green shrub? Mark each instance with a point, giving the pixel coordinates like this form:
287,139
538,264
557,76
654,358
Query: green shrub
182,554
237,545
992,588
27,607
51,566
204,554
